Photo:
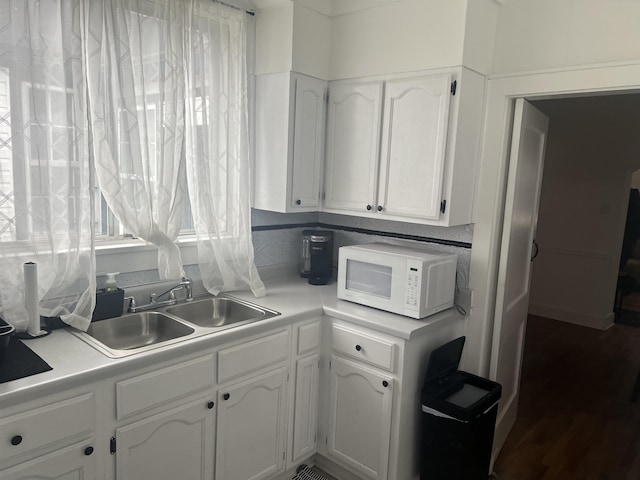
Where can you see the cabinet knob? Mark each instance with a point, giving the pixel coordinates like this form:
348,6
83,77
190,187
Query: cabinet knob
385,384
226,396
368,207
358,348
210,405
298,202
17,440
88,451
379,208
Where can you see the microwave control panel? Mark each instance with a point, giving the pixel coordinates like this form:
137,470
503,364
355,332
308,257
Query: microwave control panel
414,281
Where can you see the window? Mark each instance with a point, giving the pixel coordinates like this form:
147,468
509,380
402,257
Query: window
38,130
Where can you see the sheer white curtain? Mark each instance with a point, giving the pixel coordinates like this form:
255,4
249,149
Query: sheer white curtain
168,83
217,145
135,53
45,180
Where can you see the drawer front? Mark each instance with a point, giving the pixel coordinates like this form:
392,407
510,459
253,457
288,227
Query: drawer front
308,338
159,387
249,357
363,347
47,425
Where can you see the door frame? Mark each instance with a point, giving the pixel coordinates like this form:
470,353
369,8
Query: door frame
491,184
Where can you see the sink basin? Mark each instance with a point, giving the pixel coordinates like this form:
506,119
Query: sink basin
134,332
219,312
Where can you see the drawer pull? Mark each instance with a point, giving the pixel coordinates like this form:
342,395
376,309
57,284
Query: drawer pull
17,440
385,384
226,396
210,405
358,348
88,451
298,202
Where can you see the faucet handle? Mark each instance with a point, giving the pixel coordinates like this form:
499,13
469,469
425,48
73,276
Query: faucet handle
152,298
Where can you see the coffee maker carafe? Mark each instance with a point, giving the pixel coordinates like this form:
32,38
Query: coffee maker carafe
317,256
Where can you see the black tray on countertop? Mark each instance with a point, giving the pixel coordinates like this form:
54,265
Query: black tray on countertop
20,361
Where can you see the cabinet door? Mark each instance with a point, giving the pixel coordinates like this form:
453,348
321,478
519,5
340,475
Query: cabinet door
353,137
413,146
305,409
177,443
359,418
251,428
77,462
308,143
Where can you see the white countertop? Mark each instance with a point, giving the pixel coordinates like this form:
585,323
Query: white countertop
74,362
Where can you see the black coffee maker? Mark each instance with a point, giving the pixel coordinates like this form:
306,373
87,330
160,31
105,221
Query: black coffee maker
317,256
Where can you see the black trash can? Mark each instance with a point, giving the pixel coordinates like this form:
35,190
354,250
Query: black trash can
458,418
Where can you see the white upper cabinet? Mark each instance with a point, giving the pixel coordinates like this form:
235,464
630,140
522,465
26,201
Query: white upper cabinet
413,146
353,139
290,113
413,160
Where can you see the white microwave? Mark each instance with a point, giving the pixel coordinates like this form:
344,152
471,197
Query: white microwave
397,279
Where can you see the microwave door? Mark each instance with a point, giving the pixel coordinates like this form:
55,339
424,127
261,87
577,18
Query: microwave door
369,278
378,283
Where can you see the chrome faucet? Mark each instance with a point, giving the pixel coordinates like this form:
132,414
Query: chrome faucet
185,284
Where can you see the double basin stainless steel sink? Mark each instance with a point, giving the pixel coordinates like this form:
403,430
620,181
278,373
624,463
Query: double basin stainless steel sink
138,332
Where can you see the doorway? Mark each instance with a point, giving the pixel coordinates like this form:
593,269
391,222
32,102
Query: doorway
489,208
591,153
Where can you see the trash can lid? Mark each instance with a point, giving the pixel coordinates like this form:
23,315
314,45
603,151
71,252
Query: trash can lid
444,361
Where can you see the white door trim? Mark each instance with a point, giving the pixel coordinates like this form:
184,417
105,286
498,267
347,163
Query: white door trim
491,181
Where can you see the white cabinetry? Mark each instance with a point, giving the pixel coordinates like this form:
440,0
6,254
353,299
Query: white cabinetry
353,139
177,443
251,427
371,421
428,127
252,409
413,146
290,112
360,400
51,439
360,417
303,400
165,422
71,463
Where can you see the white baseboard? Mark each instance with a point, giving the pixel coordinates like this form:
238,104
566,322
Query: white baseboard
584,319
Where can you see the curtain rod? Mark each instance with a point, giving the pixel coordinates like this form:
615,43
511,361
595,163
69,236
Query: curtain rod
248,12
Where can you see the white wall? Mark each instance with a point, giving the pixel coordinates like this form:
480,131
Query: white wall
479,36
398,37
545,34
591,152
274,38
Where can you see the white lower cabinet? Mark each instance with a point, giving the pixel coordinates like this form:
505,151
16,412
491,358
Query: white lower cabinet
331,392
53,437
303,397
305,409
359,417
250,436
176,444
77,462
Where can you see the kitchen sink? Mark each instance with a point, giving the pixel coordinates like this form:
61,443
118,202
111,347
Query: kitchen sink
135,332
216,312
138,332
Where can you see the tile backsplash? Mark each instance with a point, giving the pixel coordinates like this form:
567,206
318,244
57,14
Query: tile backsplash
276,241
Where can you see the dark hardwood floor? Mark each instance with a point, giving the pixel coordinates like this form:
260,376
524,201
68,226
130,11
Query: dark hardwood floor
575,418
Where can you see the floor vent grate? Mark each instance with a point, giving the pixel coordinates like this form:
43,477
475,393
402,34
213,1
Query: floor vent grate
307,473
